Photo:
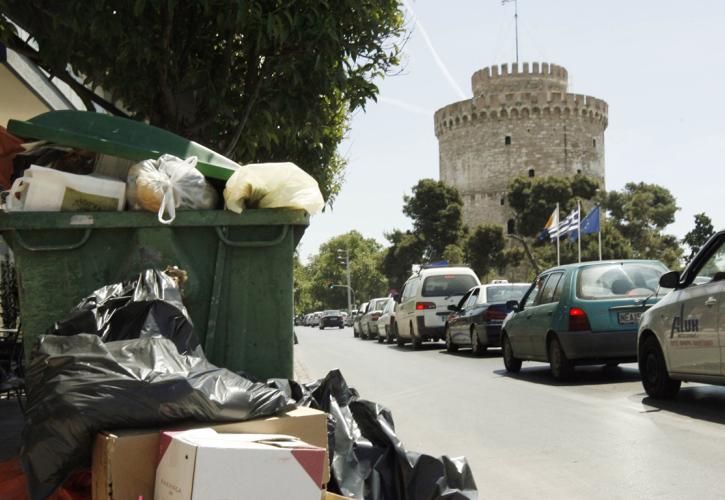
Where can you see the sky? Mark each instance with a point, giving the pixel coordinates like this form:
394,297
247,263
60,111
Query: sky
659,64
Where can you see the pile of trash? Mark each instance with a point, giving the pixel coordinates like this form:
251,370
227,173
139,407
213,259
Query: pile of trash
127,357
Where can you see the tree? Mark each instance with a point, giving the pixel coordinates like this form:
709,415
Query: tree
405,250
326,269
437,213
256,80
486,249
699,235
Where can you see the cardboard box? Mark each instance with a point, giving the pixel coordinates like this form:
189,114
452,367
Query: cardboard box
202,464
124,462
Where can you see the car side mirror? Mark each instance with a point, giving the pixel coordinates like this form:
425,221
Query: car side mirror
396,298
670,279
512,305
453,308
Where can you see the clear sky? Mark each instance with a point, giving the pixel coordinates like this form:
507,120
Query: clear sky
660,64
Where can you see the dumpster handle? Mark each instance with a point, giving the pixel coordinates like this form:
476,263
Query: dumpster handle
252,244
54,248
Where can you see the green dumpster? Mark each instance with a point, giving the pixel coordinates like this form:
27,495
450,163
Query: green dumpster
239,292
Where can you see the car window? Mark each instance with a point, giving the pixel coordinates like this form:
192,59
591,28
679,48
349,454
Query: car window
547,293
626,279
473,298
714,268
559,288
503,293
447,284
464,300
534,291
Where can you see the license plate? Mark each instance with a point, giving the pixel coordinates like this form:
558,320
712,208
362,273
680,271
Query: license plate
629,318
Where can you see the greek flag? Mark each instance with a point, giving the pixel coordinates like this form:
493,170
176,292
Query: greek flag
566,226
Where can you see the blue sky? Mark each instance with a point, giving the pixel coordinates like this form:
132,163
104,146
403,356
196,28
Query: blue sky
659,64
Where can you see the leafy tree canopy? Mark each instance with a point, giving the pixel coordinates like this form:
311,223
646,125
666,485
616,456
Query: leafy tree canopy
405,250
437,213
699,235
486,249
256,80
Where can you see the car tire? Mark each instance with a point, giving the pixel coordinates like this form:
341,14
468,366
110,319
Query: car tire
561,368
476,347
355,333
450,346
341,327
510,362
653,370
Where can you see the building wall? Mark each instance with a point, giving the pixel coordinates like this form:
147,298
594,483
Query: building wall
16,100
549,131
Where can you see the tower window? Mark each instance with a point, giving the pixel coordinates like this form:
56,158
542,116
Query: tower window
532,172
511,226
578,170
503,201
507,140
594,143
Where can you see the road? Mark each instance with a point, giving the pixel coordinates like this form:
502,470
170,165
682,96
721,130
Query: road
527,436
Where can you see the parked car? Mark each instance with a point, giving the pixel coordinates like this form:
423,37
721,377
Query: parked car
585,313
423,309
476,320
369,320
315,318
350,319
331,318
680,338
386,322
358,317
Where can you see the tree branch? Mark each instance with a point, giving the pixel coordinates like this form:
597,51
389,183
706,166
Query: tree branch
168,98
522,240
253,82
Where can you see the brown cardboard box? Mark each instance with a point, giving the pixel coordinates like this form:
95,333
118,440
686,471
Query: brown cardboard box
332,496
124,462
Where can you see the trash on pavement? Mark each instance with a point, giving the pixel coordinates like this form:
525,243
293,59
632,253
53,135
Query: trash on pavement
272,185
147,306
79,385
168,184
124,461
43,189
368,459
201,463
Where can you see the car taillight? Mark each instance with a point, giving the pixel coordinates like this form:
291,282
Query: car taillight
492,314
421,306
376,316
578,320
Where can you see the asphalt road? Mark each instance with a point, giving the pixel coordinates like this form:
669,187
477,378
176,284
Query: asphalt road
527,436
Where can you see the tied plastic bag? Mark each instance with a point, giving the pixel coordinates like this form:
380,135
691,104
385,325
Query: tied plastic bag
272,185
168,184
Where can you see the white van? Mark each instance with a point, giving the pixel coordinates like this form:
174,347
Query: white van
423,304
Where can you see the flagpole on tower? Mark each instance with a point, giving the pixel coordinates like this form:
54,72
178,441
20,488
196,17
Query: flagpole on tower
516,23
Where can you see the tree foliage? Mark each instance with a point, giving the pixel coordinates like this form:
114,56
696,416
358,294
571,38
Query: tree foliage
437,213
256,80
406,249
486,249
699,235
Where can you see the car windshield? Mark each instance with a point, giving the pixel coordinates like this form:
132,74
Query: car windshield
447,285
612,281
332,313
504,293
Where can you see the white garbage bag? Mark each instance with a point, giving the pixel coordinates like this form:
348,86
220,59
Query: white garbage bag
168,184
273,185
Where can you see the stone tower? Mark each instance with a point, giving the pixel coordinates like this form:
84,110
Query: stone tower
520,121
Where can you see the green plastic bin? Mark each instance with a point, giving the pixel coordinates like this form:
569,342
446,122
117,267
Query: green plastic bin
239,292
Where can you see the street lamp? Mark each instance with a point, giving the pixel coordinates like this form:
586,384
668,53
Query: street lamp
345,254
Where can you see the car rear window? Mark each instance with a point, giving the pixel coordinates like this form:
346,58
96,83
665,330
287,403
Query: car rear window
447,284
332,313
612,281
504,293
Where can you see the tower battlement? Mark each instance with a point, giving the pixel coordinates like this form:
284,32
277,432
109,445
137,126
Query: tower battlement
532,77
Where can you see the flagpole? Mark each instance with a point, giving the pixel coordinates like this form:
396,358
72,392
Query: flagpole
558,224
599,233
579,228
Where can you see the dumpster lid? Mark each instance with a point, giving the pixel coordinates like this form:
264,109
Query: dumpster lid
121,137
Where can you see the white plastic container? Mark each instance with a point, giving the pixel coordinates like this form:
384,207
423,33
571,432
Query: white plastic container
43,189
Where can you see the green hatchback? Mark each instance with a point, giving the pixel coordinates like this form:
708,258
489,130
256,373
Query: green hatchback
579,314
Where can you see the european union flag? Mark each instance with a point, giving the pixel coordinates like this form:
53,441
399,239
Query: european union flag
589,224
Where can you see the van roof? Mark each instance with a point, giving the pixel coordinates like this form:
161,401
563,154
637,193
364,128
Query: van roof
439,271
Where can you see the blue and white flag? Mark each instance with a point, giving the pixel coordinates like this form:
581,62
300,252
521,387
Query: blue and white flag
566,226
589,225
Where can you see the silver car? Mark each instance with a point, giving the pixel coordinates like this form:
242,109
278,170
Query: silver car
386,323
369,321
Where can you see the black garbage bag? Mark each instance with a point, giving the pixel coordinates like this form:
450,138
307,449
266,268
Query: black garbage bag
79,385
147,306
368,461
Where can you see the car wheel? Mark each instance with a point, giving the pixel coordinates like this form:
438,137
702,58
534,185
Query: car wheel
653,370
561,368
512,364
476,347
450,346
341,327
355,333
